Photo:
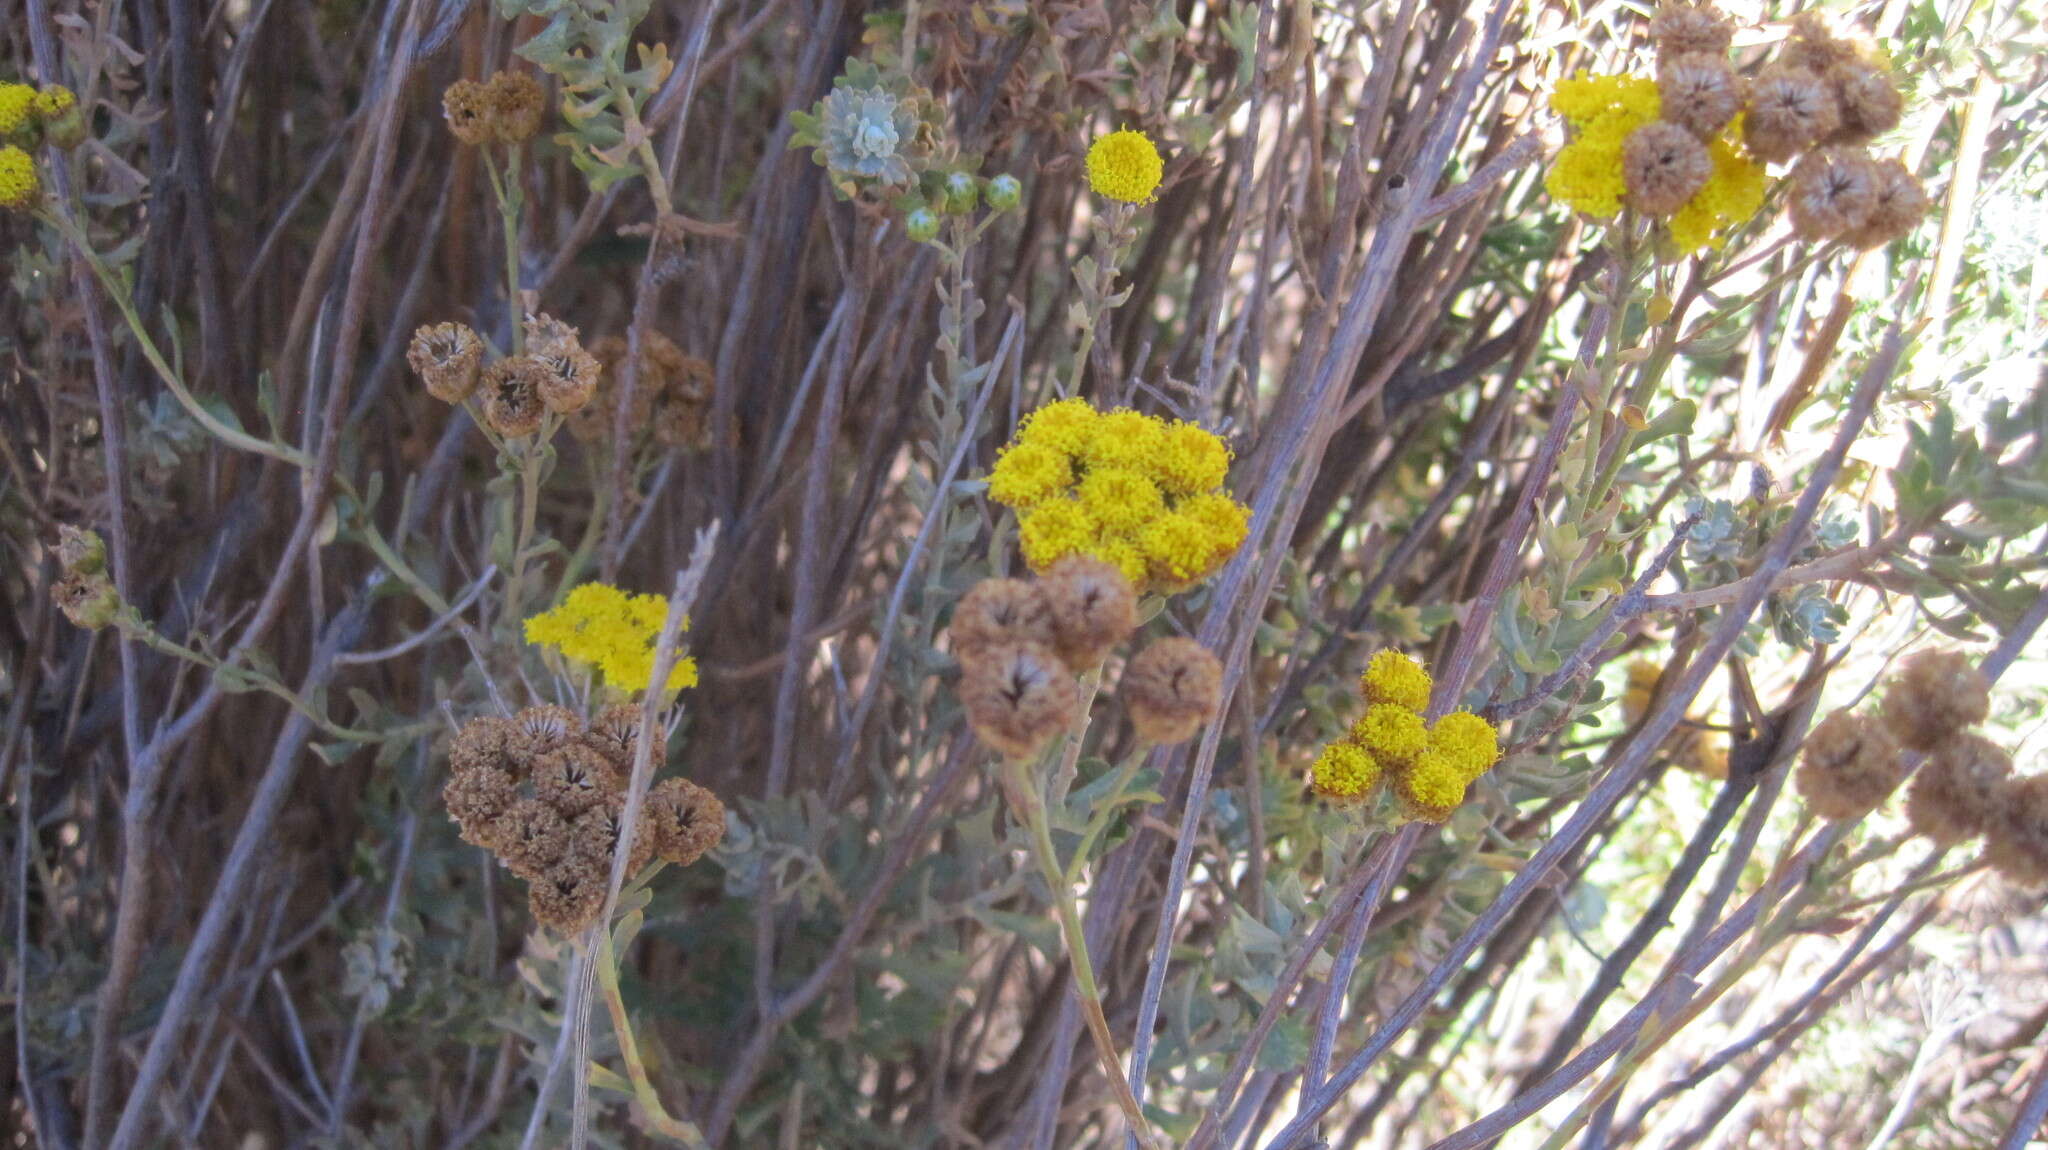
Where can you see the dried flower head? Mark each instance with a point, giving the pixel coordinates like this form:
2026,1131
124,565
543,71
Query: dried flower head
1934,696
1171,688
688,820
1345,773
1955,794
568,898
19,185
1849,766
616,731
1868,98
1394,734
90,601
448,358
1392,677
1681,29
682,408
80,550
2016,844
574,778
1817,44
511,400
530,837
1000,611
1018,696
475,800
1790,110
567,376
1663,165
1093,609
597,831
539,730
1900,206
1833,192
484,741
1699,92
1125,166
517,104
467,105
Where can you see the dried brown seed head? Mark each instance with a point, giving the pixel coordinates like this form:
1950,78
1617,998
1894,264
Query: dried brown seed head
1955,793
1093,607
597,830
1817,43
1900,206
510,395
1018,696
89,601
1832,192
475,799
569,896
448,358
1663,165
2016,843
615,732
1935,696
995,612
539,729
467,105
1681,29
484,741
575,778
687,820
1790,110
517,104
1699,92
1868,98
682,408
1849,766
530,837
1170,689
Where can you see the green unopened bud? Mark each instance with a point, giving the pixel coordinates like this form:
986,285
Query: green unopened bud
960,193
922,225
1004,193
79,551
89,601
62,119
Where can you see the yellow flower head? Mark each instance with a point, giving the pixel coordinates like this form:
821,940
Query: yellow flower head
1054,530
1466,743
1028,472
1191,459
1392,677
1393,734
1431,787
1226,520
1120,499
613,632
53,101
1067,425
1732,195
1122,554
1125,438
18,181
1345,772
17,101
1125,166
1178,546
1602,111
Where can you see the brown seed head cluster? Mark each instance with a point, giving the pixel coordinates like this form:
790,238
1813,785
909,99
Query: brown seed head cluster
1171,689
1833,192
1092,608
1663,165
1934,697
1682,29
547,794
506,109
2017,840
1790,110
1849,766
1699,92
1956,793
1018,696
671,400
448,357
567,376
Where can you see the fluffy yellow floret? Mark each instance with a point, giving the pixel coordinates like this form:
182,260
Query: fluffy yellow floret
1602,111
1466,742
54,101
18,182
1054,530
1393,734
1124,555
1432,786
1067,425
1226,520
1394,678
1126,438
1190,460
1585,100
1124,165
1732,195
1345,772
603,627
1027,473
17,101
1178,546
1120,499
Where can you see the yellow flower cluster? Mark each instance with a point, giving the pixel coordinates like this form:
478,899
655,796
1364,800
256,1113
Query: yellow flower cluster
1131,489
602,626
18,182
17,103
1430,765
1125,165
1588,171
